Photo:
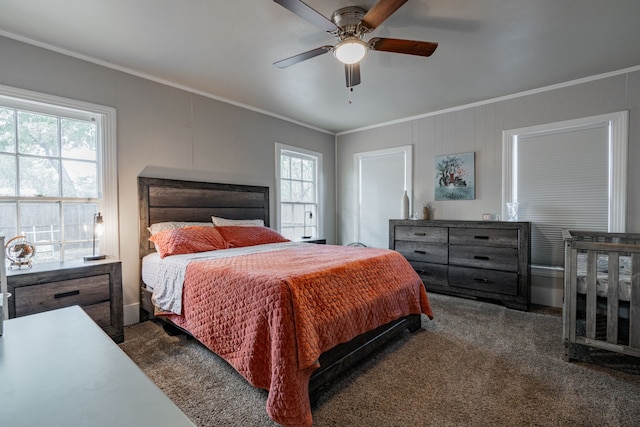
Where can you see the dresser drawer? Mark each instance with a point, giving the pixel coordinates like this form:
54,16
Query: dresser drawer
484,237
500,282
49,296
431,273
422,234
493,258
417,251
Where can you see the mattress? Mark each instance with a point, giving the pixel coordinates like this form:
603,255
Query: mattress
602,276
151,270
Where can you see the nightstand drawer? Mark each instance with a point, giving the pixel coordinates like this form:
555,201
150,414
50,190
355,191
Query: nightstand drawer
49,296
100,313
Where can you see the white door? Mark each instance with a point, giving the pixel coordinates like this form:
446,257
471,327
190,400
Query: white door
382,178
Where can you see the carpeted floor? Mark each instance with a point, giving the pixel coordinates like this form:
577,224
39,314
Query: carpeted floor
475,364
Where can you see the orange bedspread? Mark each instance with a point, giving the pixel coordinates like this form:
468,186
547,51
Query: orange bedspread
271,315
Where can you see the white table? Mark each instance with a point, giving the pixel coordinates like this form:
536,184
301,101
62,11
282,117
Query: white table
58,368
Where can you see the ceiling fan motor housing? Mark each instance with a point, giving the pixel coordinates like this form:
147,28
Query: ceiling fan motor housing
347,19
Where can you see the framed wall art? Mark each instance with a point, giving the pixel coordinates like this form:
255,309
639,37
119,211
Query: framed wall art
455,176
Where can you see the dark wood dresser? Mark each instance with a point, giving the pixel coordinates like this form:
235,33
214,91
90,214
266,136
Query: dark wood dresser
480,259
96,286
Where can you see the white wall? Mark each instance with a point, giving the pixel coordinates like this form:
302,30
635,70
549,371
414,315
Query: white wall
479,129
168,133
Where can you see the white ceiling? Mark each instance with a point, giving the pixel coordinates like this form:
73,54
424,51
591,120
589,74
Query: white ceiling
226,48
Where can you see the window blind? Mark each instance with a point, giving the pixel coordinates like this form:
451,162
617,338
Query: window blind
562,183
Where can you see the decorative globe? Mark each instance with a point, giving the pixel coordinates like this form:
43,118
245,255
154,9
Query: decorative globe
19,252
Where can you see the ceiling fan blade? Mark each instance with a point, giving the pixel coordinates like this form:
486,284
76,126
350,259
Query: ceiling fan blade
409,47
284,63
379,12
308,13
352,74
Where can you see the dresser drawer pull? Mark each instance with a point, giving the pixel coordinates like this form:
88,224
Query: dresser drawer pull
420,271
419,234
66,294
485,258
481,237
481,280
421,252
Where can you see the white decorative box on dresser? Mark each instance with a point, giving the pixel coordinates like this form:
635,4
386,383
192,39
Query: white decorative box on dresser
480,259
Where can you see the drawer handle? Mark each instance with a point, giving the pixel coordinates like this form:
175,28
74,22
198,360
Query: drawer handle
420,271
419,234
481,280
421,252
481,237
66,294
485,258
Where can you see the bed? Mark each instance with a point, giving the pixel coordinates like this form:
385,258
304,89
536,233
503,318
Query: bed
318,346
601,292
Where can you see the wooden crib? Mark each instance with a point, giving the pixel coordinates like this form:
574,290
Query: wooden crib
601,292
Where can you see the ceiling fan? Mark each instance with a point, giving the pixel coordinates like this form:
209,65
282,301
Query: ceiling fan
349,25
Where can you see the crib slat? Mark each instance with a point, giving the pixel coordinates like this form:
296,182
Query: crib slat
612,298
592,259
569,303
634,303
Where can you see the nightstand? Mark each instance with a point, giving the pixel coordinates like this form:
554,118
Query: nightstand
96,286
315,240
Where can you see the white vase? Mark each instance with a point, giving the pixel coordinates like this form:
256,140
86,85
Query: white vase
405,206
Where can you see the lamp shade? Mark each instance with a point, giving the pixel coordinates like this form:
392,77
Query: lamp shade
350,50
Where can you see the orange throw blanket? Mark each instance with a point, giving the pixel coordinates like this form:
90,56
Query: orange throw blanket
271,315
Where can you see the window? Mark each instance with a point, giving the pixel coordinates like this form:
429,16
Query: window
567,175
57,169
299,192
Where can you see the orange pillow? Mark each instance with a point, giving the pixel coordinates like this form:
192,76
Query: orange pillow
188,240
241,236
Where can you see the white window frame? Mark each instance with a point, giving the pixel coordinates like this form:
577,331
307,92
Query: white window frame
106,119
279,148
618,160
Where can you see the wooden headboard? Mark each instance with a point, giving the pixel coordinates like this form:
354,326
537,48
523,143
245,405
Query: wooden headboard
163,200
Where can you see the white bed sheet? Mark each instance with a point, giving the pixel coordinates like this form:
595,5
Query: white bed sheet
165,276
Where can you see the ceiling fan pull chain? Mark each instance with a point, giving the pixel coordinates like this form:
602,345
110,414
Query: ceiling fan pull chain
350,89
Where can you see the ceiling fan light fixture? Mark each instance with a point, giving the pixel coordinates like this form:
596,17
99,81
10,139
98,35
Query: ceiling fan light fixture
351,50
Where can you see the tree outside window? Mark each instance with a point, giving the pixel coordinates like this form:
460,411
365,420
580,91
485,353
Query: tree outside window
50,182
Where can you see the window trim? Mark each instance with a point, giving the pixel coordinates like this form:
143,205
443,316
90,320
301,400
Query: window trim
618,163
107,155
279,148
